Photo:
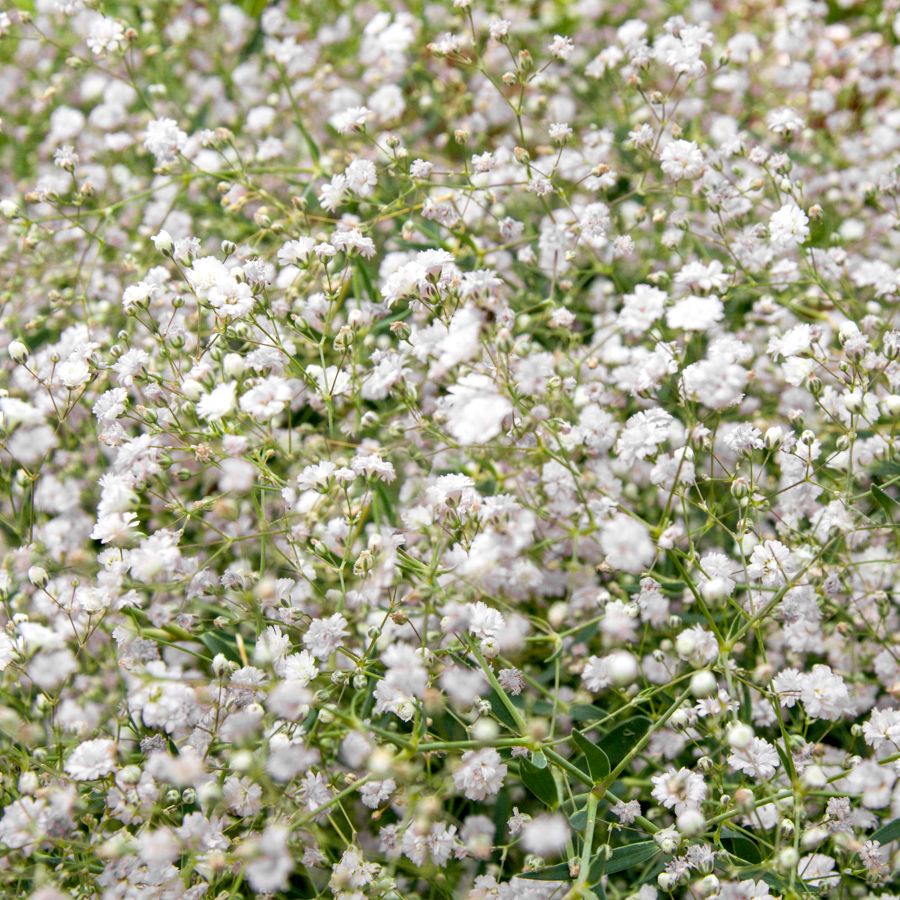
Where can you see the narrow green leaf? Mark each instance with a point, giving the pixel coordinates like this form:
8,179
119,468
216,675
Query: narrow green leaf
597,760
221,642
498,708
887,833
885,501
559,872
616,743
583,712
743,848
623,858
540,782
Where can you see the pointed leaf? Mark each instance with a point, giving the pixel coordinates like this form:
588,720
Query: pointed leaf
887,833
559,872
597,760
616,743
623,858
887,503
540,782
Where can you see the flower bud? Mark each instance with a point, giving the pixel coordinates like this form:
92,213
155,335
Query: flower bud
813,777
666,881
38,576
28,782
706,887
129,775
622,668
703,683
740,736
715,590
163,243
558,614
691,822
233,364
242,761
740,487
18,352
667,840
192,389
853,401
381,761
891,405
774,436
685,644
220,665
485,730
787,859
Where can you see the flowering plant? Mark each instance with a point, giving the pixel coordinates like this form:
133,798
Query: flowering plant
449,449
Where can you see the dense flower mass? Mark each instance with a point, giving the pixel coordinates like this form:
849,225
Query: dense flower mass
449,449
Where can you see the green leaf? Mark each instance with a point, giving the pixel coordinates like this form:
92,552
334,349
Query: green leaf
221,642
616,743
780,884
885,501
742,848
887,833
578,819
498,708
540,782
583,712
559,872
597,760
623,858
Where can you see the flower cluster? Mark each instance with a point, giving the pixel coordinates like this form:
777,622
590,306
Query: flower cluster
449,450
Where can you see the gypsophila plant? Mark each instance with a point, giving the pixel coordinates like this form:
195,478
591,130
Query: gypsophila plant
449,449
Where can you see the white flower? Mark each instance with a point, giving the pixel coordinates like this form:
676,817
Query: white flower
349,119
681,159
561,47
268,871
164,139
643,433
475,409
717,383
788,226
267,399
481,774
627,544
324,636
679,790
759,759
7,651
641,309
771,563
695,313
92,759
882,727
784,121
360,177
115,528
106,35
824,694
217,403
